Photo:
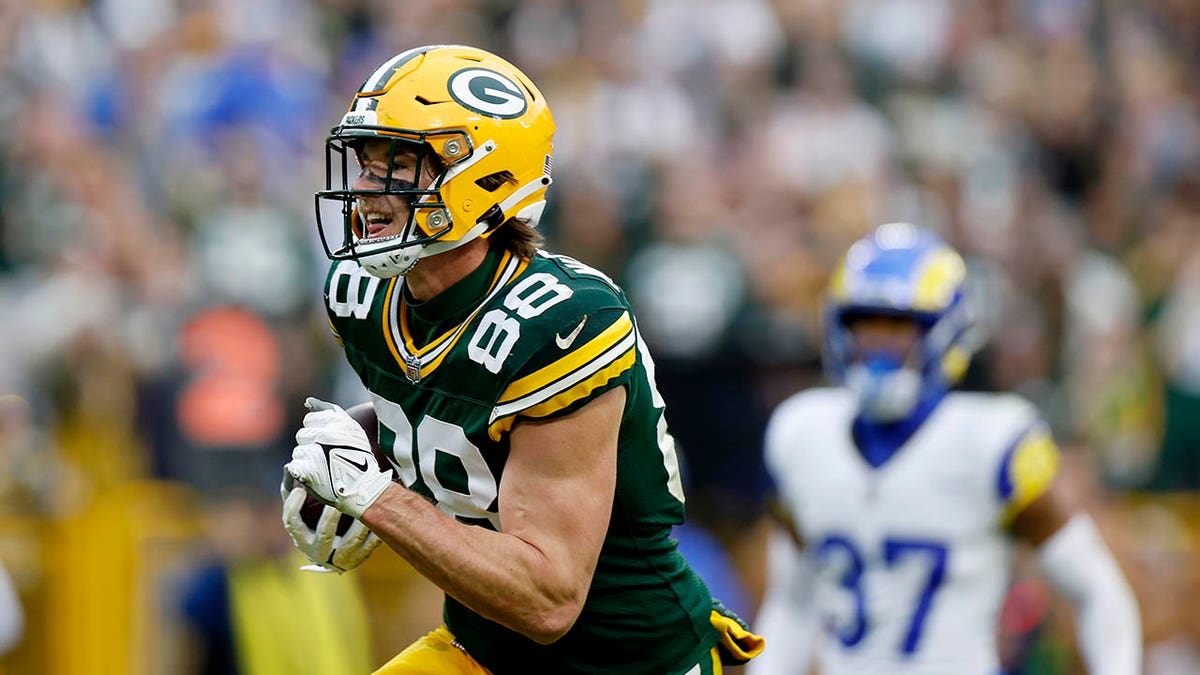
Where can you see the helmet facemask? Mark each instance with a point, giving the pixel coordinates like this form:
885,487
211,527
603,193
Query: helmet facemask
427,221
889,379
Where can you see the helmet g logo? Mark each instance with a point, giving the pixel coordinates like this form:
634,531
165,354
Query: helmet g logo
487,92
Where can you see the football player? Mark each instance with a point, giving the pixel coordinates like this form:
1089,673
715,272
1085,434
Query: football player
515,401
901,499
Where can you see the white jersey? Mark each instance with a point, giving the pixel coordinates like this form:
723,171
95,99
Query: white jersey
912,558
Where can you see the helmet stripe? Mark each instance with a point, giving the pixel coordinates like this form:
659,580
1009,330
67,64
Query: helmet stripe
941,275
384,73
838,288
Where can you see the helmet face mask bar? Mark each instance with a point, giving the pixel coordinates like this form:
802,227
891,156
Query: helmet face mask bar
343,162
480,138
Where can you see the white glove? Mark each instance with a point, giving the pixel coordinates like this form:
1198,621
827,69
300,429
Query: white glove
333,458
328,550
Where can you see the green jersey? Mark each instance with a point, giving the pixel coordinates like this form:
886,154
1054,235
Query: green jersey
531,339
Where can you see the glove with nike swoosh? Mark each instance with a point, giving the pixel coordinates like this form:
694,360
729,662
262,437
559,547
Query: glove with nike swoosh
326,548
333,459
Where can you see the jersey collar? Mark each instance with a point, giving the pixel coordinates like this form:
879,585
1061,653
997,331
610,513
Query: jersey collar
452,305
419,362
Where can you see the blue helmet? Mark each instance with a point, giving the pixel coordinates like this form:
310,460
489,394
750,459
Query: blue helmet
903,271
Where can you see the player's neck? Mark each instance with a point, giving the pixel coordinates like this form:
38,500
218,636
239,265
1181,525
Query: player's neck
438,272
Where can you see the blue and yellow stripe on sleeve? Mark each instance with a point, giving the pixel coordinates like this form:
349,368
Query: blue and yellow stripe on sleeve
1026,470
569,379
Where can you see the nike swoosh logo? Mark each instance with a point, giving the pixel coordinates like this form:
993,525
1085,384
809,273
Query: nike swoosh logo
565,342
361,466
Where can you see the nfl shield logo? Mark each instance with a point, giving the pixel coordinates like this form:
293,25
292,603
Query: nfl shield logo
412,369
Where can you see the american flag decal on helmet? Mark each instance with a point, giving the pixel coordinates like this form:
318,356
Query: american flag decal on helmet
548,165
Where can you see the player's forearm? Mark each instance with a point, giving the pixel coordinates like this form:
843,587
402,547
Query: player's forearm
787,618
1079,564
497,575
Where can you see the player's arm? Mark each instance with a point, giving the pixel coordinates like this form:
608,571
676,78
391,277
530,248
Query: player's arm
787,618
1074,558
556,498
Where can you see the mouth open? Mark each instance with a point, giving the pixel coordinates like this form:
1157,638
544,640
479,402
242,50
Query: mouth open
377,225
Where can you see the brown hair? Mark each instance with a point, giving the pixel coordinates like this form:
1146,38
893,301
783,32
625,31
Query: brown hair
518,236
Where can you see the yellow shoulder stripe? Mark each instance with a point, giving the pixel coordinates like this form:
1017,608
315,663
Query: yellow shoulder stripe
1028,471
614,334
567,396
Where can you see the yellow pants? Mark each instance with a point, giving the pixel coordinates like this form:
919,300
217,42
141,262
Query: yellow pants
435,654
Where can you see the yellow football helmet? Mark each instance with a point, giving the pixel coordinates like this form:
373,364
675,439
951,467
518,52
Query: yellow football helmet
483,124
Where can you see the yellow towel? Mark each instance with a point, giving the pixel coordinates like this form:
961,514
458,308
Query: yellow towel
738,645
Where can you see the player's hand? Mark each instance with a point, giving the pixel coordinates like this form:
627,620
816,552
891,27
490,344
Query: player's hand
333,459
328,550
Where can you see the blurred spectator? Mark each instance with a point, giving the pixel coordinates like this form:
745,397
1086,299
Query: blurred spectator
1116,402
1162,553
692,291
1178,348
252,611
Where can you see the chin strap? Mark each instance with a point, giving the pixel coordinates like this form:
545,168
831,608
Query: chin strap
436,247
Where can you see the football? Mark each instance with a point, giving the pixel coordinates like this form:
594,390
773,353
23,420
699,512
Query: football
310,512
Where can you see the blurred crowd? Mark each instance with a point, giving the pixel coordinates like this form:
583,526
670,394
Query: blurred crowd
160,271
